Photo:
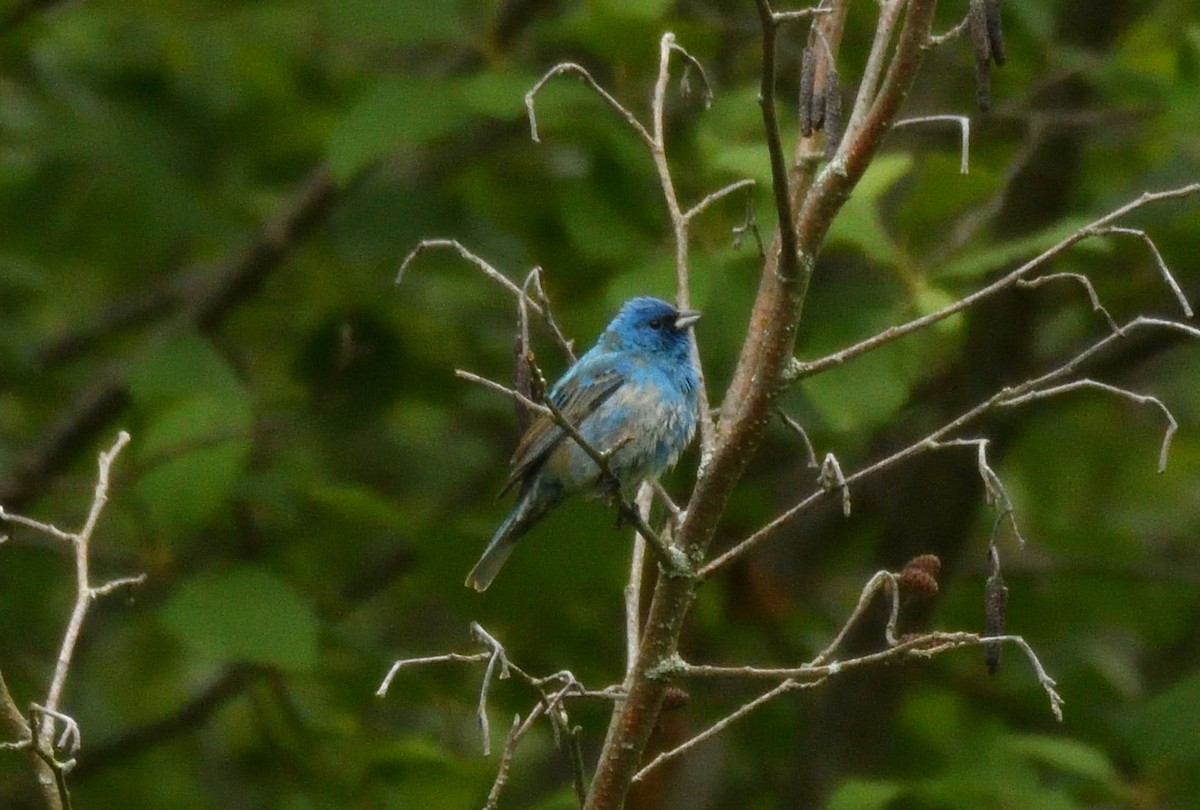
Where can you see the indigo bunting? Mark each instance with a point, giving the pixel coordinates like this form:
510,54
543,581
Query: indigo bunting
634,393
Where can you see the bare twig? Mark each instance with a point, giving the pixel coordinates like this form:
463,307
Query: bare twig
925,645
679,220
1079,278
473,258
501,389
1096,228
552,691
720,194
497,656
582,72
821,667
994,490
1163,270
964,126
799,430
936,40
1048,384
515,732
429,659
868,89
724,723
44,716
1140,399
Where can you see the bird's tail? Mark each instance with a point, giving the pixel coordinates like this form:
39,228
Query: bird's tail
524,514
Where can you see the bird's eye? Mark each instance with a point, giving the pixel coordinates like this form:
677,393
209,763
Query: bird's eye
656,323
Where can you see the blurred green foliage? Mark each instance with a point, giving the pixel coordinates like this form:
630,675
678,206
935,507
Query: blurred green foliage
308,482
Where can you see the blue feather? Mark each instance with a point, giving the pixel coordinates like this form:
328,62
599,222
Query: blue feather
636,390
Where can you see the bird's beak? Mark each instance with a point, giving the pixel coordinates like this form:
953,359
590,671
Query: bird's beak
686,318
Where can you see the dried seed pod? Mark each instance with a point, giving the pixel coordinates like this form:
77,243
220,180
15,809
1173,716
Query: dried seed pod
915,582
995,31
981,44
925,562
833,112
675,697
996,609
808,71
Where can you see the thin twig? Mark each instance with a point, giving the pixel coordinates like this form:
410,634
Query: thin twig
501,389
1140,399
799,429
868,87
1005,397
1163,270
41,732
582,72
807,676
1096,228
720,194
471,257
964,126
1079,278
882,580
429,659
679,220
497,656
721,725
995,492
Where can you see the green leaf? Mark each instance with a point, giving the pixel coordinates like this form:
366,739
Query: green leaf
863,394
864,795
1166,729
196,441
359,504
997,257
859,223
395,113
397,22
181,366
244,614
498,95
183,492
1066,755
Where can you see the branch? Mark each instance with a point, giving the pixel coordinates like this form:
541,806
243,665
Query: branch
759,374
41,734
551,690
1046,385
1099,227
1079,278
582,73
821,668
964,126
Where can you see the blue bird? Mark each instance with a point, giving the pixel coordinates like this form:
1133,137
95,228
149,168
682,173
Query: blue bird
636,391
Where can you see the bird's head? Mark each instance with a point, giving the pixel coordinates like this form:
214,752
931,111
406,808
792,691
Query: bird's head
651,324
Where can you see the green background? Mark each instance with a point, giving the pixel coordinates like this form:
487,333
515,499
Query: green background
203,206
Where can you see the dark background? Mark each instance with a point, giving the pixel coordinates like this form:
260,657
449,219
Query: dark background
202,209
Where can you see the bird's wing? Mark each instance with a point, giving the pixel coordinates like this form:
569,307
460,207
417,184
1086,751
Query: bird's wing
577,400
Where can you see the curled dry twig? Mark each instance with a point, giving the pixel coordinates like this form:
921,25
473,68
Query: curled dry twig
825,666
45,716
551,690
